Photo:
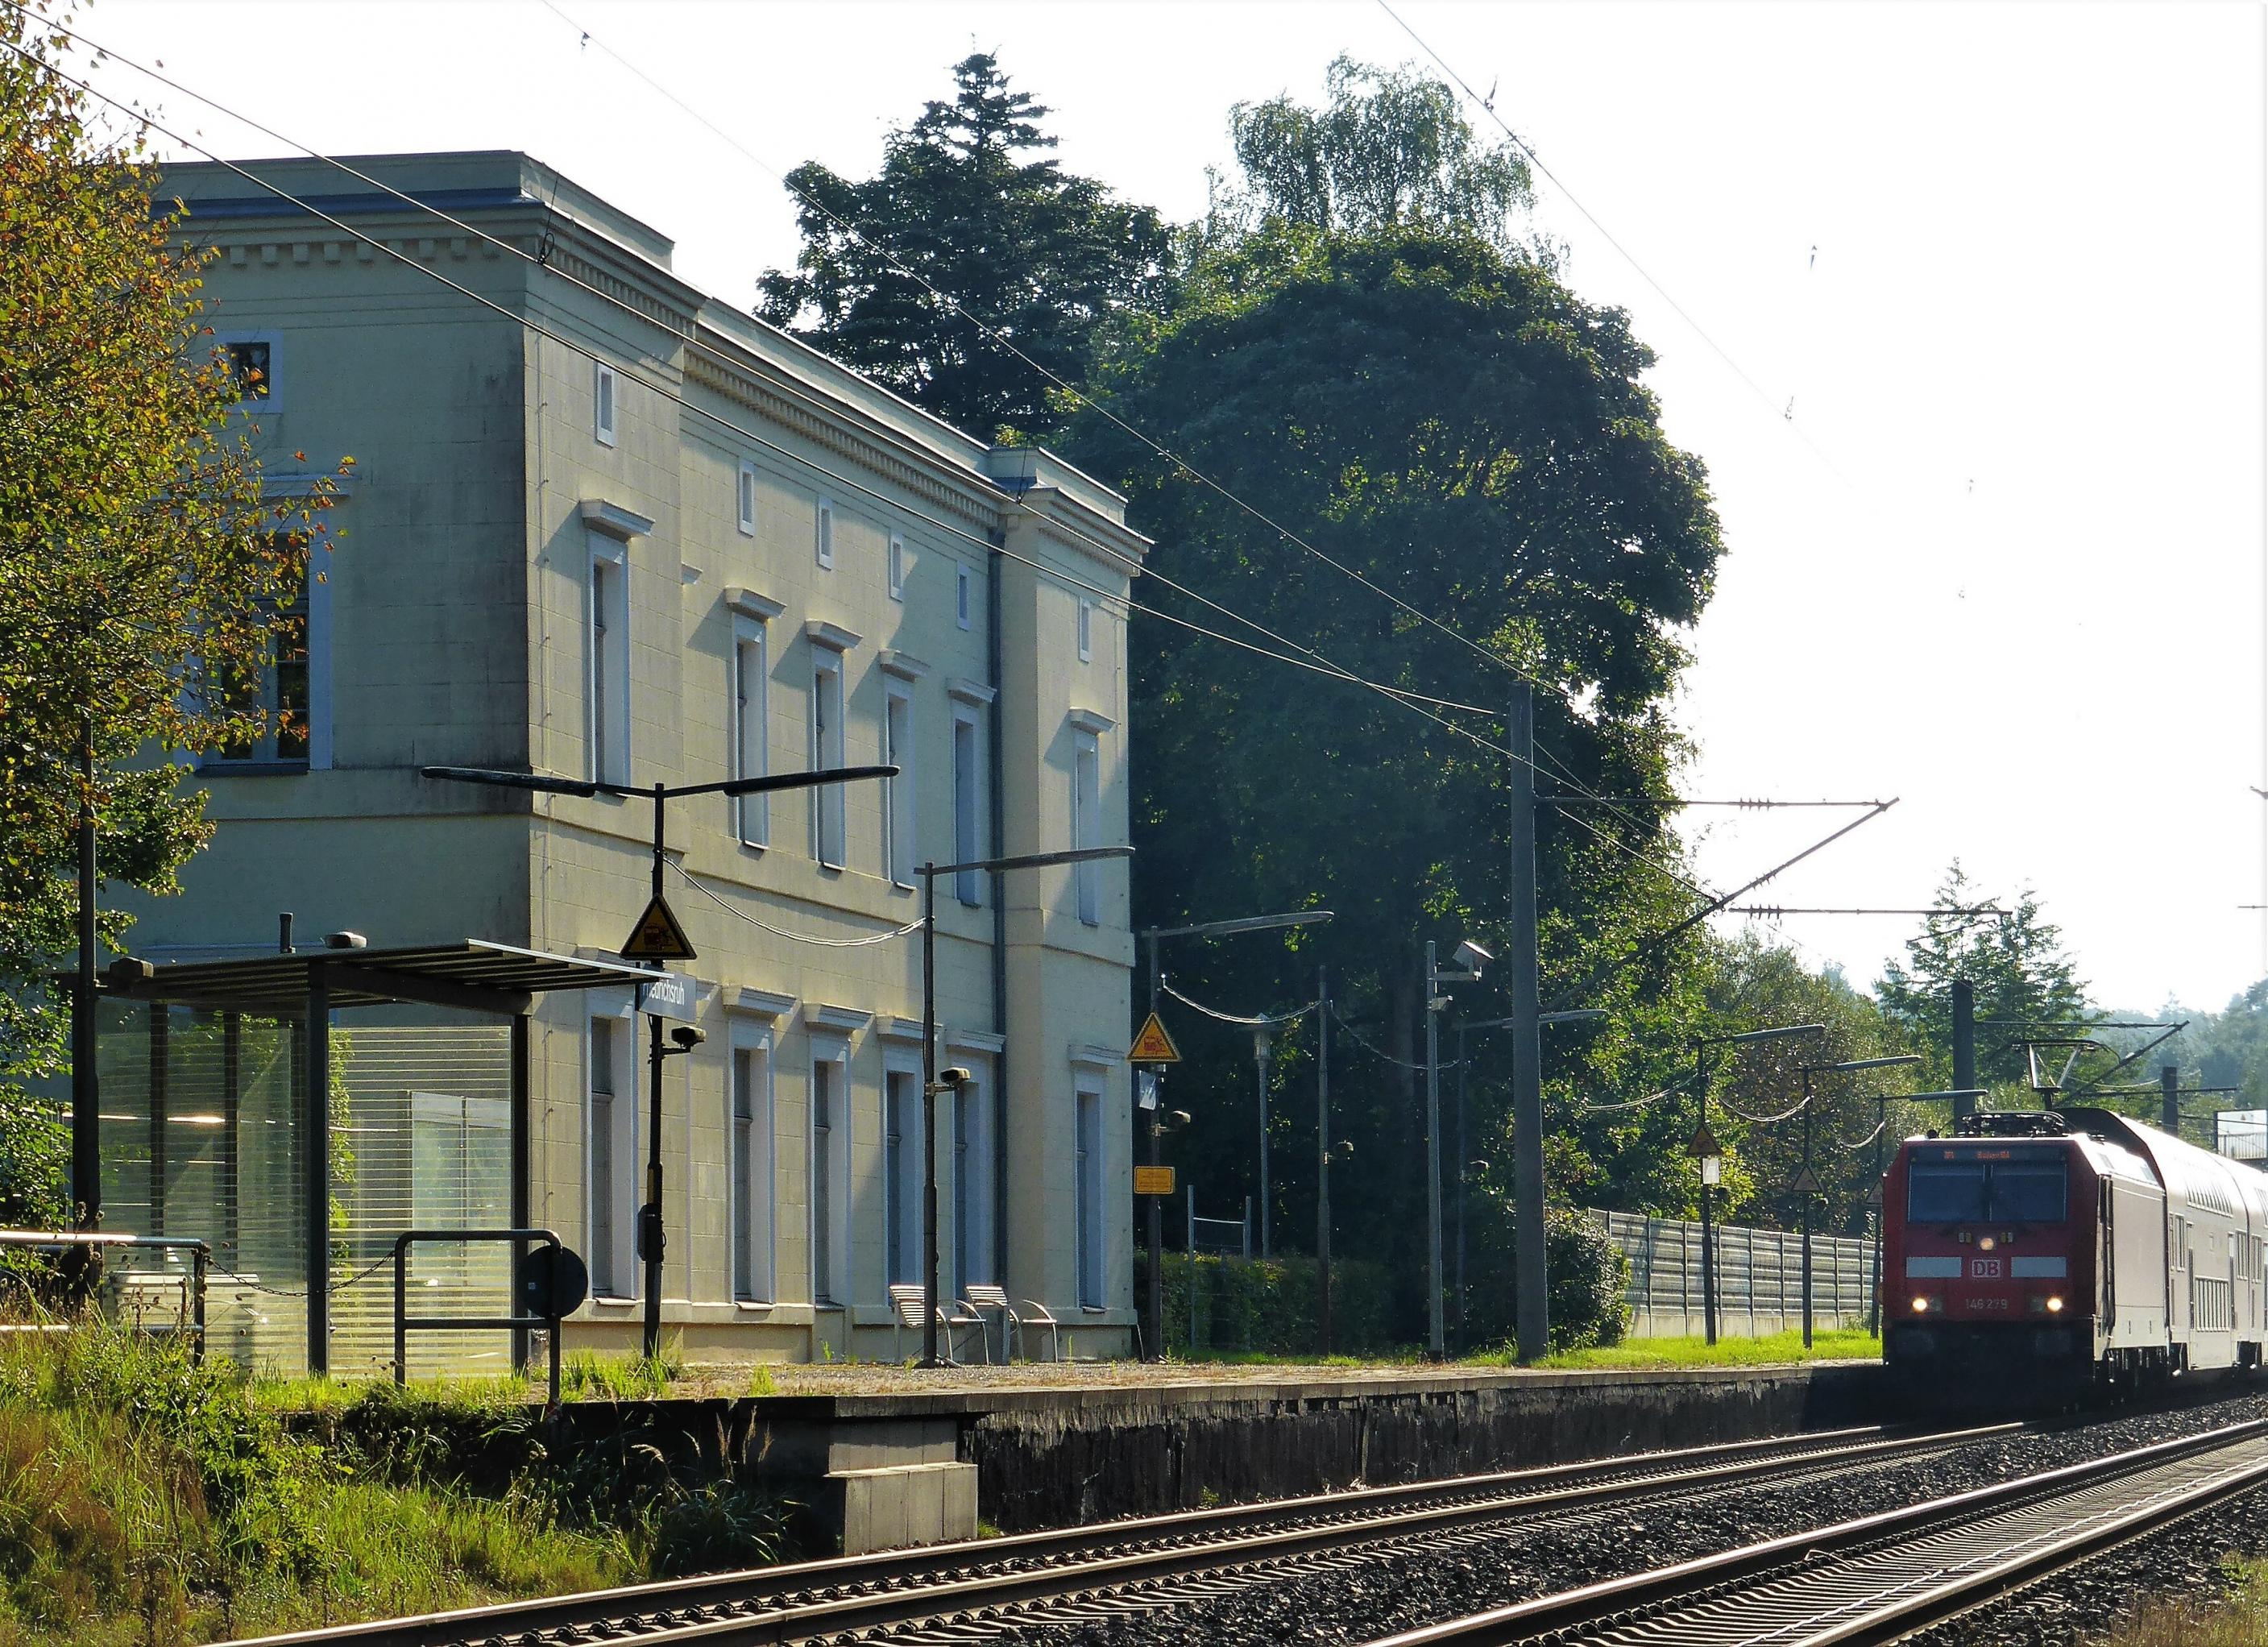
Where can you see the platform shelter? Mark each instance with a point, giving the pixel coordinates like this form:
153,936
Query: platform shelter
242,1104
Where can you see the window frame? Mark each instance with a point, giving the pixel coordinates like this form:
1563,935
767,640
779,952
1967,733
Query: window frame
266,756
897,577
615,1271
903,1174
822,533
1089,1153
752,1186
271,401
750,731
969,800
605,698
901,811
1086,824
606,404
829,813
964,603
975,1121
744,497
826,1183
1085,629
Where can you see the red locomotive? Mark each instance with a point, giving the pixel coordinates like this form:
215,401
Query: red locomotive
2036,1255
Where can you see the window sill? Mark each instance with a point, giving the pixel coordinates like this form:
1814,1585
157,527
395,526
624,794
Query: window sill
756,848
250,769
614,1303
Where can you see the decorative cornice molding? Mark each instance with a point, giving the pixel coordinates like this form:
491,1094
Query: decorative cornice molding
904,665
1087,1055
748,603
891,1028
982,1041
613,520
834,1020
1091,720
760,1003
833,637
970,691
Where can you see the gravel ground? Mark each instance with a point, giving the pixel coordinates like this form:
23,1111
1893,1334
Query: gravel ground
1401,1591
2183,1563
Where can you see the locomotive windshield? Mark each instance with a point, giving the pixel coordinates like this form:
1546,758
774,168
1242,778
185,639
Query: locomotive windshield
2006,1186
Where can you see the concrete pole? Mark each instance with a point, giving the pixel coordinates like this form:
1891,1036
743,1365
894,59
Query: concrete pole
86,1116
1806,1209
1964,1045
1157,1214
1323,1155
1263,1050
1532,1310
2170,1101
1708,1225
1435,1343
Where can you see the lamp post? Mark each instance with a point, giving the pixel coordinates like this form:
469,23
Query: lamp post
1262,1050
1151,937
1806,1186
951,1080
1705,1147
1582,1014
1471,959
651,1240
1959,1096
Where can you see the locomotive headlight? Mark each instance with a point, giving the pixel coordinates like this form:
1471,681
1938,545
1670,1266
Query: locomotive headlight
2055,1305
1923,1305
1986,1244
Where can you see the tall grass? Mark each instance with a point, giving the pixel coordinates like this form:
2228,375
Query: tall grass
146,1499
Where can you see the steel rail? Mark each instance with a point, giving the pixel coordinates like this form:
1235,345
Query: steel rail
1884,1576
808,1599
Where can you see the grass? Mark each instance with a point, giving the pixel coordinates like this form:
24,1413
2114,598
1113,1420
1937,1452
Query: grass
2240,1620
144,1499
1835,1344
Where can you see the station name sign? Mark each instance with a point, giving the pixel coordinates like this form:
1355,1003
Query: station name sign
671,995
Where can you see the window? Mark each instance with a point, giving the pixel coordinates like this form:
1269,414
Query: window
251,364
750,1213
751,755
824,532
968,788
904,1176
1086,825
613,1155
898,566
972,1182
899,851
606,661
827,800
602,403
823,1098
1087,1198
961,605
747,499
275,690
1085,629
2025,1187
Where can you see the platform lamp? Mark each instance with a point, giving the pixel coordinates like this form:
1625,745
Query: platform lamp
650,1236
1806,1187
950,1081
1704,1148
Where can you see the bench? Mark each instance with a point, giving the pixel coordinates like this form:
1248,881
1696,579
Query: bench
906,1311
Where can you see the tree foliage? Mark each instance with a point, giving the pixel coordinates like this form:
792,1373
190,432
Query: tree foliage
1388,150
969,217
2017,965
141,568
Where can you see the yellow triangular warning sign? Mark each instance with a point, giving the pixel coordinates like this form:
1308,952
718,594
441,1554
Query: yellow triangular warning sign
1153,1045
656,936
1804,1185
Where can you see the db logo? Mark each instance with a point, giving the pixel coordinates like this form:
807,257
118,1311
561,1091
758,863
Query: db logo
1984,1268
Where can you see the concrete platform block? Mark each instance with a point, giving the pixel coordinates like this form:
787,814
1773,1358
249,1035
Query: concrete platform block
894,1506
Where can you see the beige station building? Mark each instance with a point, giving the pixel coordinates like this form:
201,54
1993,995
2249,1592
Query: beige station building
621,531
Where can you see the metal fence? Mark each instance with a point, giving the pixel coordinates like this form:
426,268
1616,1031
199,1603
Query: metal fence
1759,1277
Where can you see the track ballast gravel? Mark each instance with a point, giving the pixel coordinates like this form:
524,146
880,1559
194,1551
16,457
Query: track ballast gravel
1401,1590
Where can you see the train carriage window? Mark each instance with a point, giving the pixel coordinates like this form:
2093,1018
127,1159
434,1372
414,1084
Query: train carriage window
2017,1189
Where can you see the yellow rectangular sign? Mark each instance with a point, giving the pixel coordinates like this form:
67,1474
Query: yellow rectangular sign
1153,1180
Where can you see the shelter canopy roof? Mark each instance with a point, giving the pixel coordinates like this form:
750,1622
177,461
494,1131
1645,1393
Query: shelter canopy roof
473,975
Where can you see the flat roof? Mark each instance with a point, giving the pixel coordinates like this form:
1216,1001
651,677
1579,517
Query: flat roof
471,974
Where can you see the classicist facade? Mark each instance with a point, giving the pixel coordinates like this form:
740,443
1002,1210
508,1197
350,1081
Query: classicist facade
620,531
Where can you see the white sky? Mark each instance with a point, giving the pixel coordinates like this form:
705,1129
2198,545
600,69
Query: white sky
2006,561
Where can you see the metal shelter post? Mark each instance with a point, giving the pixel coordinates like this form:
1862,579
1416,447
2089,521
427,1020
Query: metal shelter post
318,1147
522,1192
1323,1155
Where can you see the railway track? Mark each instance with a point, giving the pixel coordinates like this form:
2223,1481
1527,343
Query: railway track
1884,1577
980,1590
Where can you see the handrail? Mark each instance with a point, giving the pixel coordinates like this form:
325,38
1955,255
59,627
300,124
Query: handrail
200,1261
403,1321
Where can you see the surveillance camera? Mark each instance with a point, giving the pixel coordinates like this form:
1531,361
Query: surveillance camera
1471,955
1177,1118
954,1075
687,1038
